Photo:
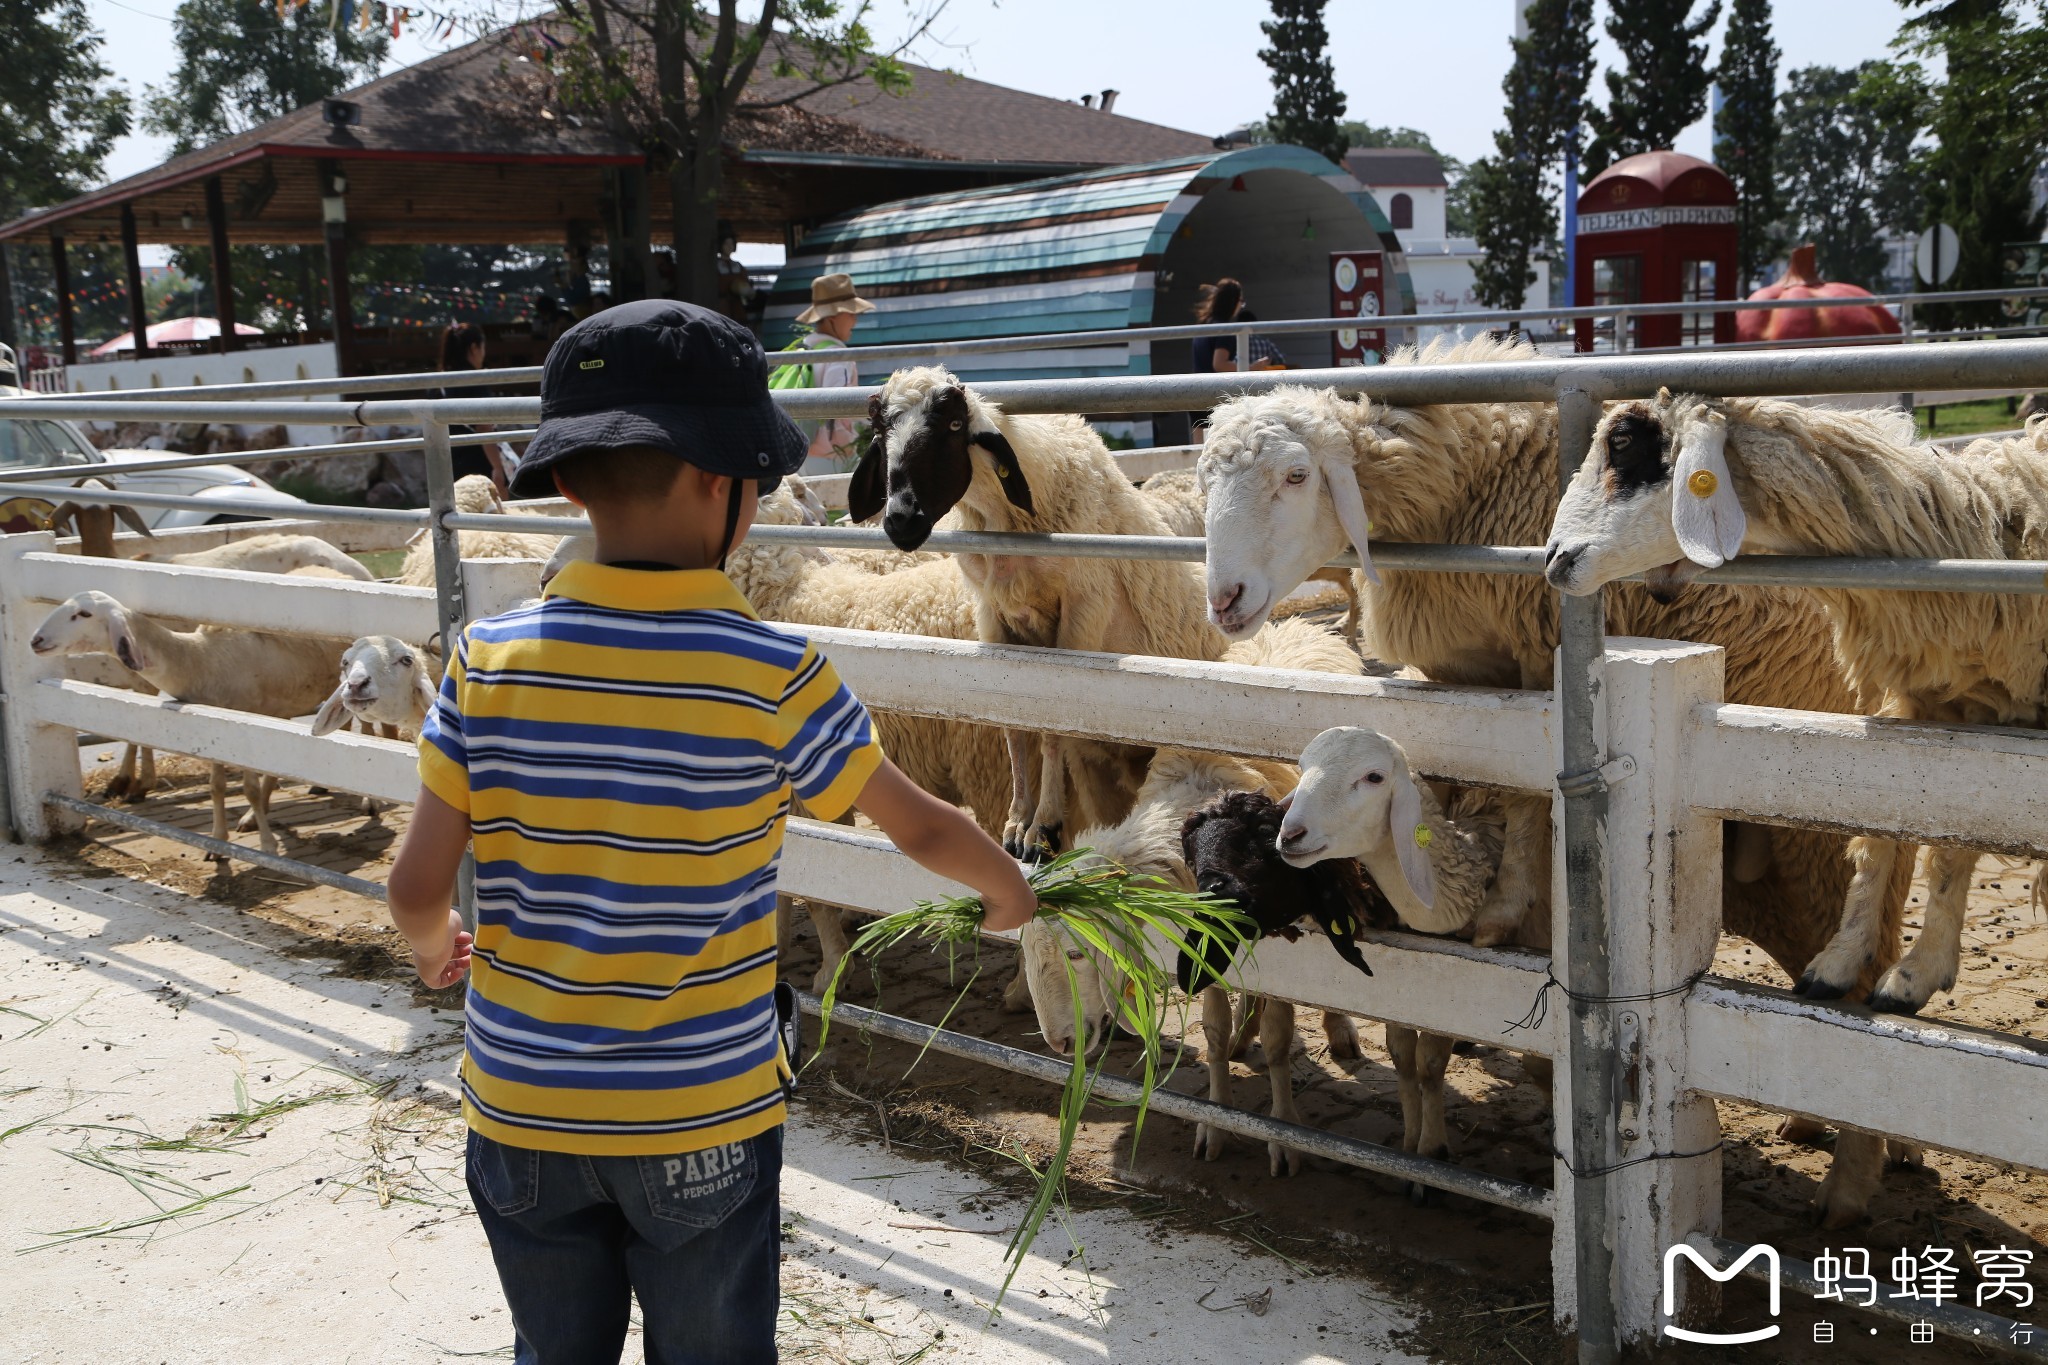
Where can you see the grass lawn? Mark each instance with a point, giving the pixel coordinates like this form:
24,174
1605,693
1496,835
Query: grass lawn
1961,419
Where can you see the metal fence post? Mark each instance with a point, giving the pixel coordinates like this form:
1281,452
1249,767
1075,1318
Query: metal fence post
1244,349
449,597
1585,1127
37,758
1664,877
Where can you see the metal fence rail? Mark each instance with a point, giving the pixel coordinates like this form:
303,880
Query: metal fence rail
1619,701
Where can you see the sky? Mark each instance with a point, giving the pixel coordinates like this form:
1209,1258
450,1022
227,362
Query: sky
1191,64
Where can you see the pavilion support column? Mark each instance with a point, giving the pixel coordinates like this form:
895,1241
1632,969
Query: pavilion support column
138,307
8,335
334,216
627,230
60,277
223,267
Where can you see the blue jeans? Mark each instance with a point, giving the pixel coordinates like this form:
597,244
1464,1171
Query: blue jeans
697,1236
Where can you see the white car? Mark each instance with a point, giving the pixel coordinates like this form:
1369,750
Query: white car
50,444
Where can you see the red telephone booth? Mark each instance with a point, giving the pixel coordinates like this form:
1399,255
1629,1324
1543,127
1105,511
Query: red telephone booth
1658,227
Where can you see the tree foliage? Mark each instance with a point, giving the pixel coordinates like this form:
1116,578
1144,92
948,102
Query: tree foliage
673,74
1661,87
1746,133
1989,122
1307,106
1846,166
60,112
239,65
1511,194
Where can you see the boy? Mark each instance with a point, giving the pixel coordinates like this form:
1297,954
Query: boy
623,754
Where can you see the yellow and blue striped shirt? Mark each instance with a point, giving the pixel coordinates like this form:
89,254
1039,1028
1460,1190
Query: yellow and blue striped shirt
626,751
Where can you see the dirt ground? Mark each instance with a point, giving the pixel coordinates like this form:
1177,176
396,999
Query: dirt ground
1478,1276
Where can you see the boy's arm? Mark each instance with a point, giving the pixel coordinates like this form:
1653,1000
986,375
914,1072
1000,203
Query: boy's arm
421,890
942,838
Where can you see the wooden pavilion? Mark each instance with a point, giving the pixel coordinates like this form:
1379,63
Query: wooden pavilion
470,147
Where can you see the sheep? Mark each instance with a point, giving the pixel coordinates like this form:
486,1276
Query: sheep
1178,494
1149,842
1292,475
384,682
1359,799
242,670
941,448
269,554
474,495
1683,483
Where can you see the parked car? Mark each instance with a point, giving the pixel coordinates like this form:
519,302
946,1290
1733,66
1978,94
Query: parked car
46,443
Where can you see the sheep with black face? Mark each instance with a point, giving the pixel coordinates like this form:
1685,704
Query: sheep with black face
941,451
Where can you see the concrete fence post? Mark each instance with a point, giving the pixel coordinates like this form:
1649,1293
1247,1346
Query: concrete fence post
38,757
1664,897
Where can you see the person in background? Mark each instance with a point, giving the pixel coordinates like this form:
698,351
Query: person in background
462,348
1223,302
835,307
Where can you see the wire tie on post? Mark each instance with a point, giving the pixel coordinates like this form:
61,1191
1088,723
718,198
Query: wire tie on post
1539,1009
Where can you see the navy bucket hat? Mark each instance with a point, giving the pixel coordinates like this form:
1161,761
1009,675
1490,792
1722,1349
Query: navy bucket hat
670,375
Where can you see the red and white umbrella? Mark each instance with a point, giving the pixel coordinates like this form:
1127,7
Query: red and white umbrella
175,329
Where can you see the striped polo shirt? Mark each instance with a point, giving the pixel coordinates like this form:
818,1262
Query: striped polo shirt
626,750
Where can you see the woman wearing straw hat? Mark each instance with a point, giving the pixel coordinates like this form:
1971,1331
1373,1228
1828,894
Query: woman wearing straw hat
834,310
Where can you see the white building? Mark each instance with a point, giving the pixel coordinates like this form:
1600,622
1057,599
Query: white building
1411,188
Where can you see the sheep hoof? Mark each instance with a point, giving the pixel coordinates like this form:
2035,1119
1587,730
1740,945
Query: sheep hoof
1835,1211
823,980
1901,990
1044,844
1344,1046
1905,1155
1283,1161
1815,987
1208,1142
1883,1001
1424,1196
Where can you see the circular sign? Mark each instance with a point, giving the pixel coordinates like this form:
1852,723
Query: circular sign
25,514
1936,253
1347,338
1347,274
1369,305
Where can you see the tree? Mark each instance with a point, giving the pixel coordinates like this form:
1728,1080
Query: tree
675,75
241,64
1845,160
1511,194
1662,86
1989,121
1306,102
1746,134
60,112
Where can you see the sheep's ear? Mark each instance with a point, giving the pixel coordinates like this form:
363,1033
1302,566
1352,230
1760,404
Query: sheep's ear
1009,473
869,486
1411,840
1338,914
126,647
333,713
132,519
423,687
1350,505
1705,512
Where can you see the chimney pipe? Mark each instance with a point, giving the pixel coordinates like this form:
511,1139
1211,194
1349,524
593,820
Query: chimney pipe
1109,99
1087,101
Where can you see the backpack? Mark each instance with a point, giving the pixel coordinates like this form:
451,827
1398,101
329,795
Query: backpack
793,376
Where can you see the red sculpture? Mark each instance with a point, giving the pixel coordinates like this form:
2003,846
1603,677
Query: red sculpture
1802,280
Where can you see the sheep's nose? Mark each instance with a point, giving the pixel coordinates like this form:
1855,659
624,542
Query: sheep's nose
1063,1046
1558,562
1291,833
1221,603
38,644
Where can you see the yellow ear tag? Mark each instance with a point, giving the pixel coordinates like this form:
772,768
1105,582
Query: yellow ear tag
1422,836
1703,483
1130,989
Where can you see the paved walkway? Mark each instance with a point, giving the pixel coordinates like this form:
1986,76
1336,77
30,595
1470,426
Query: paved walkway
215,1149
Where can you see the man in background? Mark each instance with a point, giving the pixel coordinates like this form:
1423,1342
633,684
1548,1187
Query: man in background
835,307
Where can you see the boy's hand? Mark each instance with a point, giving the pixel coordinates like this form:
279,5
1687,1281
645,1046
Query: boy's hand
1013,908
444,965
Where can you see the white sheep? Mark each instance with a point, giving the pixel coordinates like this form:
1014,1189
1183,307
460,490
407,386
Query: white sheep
474,495
93,524
1295,475
939,449
241,670
1359,799
1058,971
1684,483
274,553
384,682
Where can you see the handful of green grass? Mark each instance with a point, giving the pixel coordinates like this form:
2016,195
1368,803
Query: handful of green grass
1115,916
